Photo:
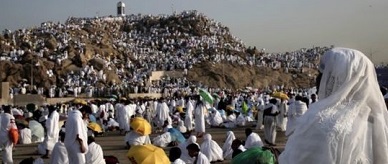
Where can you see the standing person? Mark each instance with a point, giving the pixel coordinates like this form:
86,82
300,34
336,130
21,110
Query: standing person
200,118
282,117
76,135
297,109
349,122
59,154
52,132
270,122
260,109
6,122
162,113
94,154
189,115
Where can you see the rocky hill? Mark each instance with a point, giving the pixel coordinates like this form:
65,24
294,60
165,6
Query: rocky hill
136,44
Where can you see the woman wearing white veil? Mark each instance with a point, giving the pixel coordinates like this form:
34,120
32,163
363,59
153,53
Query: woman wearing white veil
349,123
227,147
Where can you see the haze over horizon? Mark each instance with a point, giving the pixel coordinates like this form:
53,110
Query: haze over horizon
276,25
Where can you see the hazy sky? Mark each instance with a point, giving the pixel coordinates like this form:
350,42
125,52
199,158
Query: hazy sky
276,25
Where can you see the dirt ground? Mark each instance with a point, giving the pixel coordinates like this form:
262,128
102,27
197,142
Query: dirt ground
113,144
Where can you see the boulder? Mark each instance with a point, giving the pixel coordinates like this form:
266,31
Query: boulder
98,64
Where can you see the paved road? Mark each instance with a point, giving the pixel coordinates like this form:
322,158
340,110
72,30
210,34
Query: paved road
113,144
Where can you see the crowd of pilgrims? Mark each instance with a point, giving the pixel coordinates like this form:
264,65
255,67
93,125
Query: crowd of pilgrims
177,121
155,42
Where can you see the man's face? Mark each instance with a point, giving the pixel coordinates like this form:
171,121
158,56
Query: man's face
192,153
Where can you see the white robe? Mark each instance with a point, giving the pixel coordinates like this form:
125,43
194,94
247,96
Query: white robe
52,132
181,127
133,138
120,115
162,114
253,140
5,143
211,149
95,154
216,119
227,147
296,110
282,120
185,154
25,136
202,159
59,154
200,118
189,116
75,125
178,161
241,121
162,140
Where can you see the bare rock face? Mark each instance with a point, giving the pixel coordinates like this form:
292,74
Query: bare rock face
98,64
80,60
51,43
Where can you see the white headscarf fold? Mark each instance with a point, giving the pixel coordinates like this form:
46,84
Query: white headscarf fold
226,148
349,123
211,149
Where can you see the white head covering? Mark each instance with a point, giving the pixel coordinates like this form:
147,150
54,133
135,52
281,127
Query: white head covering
349,123
211,149
227,147
181,127
185,154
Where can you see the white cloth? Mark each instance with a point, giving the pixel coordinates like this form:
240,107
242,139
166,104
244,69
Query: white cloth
253,140
59,154
349,122
75,125
216,119
162,140
189,116
297,109
120,116
162,113
200,118
202,159
185,154
241,121
211,149
133,138
227,147
25,136
52,131
282,117
181,127
178,161
7,145
95,154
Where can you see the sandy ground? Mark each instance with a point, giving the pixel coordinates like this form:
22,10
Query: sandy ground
113,144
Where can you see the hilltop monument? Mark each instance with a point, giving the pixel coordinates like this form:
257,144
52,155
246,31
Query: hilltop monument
120,9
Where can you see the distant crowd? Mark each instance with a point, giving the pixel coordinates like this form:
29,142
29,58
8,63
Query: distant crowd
145,43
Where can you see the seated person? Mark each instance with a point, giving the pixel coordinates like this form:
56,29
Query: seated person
134,138
174,156
194,152
253,139
211,149
237,147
